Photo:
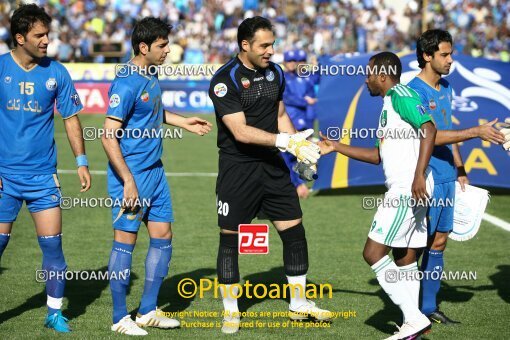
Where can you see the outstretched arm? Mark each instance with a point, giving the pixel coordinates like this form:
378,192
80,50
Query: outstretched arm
487,132
195,125
368,155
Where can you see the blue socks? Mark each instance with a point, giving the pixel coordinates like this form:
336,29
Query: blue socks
432,261
54,265
119,269
156,268
4,239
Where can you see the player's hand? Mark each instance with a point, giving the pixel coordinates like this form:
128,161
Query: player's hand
298,145
488,133
197,125
85,180
310,100
326,145
419,188
463,181
130,200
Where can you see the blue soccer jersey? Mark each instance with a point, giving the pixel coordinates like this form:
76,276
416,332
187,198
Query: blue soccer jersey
438,104
27,101
136,101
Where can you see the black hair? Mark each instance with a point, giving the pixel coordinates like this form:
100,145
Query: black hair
249,27
428,43
25,17
387,63
148,30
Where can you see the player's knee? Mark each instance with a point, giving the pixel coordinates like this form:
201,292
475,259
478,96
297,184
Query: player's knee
51,247
227,263
295,250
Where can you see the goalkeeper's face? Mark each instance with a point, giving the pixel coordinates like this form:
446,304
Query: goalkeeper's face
36,41
442,59
260,50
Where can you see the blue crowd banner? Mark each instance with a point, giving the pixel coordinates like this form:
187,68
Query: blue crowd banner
481,94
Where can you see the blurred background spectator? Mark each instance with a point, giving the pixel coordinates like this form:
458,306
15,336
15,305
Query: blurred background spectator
205,30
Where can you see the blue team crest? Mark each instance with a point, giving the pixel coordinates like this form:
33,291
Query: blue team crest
51,84
7,79
269,75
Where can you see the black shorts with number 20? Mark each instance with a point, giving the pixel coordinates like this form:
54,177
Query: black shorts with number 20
245,190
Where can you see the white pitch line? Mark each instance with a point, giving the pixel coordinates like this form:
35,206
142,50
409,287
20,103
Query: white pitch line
168,174
497,221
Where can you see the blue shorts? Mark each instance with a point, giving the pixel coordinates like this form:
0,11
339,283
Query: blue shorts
40,192
152,188
440,216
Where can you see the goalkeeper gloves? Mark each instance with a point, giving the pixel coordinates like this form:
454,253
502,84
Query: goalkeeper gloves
296,144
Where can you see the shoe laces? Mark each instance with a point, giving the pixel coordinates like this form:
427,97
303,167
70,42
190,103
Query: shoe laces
57,318
129,323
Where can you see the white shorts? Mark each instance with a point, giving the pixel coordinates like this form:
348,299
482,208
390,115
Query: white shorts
399,225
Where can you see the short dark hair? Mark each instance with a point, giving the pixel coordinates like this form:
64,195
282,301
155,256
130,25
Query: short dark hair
249,27
25,17
387,63
148,30
428,43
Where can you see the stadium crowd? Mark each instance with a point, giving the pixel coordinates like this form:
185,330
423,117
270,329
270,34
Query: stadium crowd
205,30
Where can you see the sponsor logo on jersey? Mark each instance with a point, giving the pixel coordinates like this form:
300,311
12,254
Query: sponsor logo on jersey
384,118
220,90
421,109
7,79
258,79
269,75
114,100
51,84
145,96
432,104
245,82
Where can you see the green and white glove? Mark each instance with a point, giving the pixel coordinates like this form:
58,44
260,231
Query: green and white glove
298,145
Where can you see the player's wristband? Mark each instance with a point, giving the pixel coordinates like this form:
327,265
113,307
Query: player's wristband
282,141
81,160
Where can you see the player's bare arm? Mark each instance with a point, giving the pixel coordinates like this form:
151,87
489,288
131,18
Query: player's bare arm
243,133
284,121
75,137
368,155
418,187
112,148
459,164
195,125
486,131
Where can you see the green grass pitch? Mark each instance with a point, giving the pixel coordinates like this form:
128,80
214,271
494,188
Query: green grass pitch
336,229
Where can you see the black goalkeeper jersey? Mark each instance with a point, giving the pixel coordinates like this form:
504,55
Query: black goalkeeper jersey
257,93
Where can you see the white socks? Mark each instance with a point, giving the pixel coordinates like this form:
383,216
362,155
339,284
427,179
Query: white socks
298,296
55,303
229,293
410,278
388,275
